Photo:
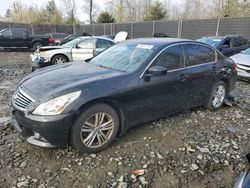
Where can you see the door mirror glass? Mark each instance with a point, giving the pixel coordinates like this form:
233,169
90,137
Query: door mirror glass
157,71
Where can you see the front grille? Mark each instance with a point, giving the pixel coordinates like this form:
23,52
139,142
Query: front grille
21,100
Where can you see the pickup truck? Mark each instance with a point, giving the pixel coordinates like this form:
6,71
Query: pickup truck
20,38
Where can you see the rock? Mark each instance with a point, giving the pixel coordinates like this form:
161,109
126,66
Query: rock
199,157
41,186
145,166
23,184
111,174
23,164
194,167
93,155
159,156
204,150
119,163
121,179
143,180
123,185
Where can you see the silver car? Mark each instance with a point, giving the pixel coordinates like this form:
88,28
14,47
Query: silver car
243,64
79,49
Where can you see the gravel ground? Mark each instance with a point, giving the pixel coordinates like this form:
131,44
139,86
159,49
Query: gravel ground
196,148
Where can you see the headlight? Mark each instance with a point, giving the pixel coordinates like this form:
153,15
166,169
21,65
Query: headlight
56,105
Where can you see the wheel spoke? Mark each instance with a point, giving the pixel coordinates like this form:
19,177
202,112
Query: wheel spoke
107,126
102,136
90,139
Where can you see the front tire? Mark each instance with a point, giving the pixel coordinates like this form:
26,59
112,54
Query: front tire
59,59
95,129
217,96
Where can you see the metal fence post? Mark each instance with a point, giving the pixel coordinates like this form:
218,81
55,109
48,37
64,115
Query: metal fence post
218,27
179,34
104,29
132,30
153,28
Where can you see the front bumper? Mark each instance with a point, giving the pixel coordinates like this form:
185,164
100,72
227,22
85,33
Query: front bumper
44,131
39,61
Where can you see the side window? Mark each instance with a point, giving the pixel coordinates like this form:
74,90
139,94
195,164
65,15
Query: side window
198,54
237,42
7,33
101,43
87,44
227,43
172,58
19,34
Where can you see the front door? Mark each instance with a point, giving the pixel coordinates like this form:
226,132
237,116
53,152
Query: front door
165,94
6,38
83,50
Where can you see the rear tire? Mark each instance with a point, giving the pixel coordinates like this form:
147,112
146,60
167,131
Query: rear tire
217,96
95,129
36,45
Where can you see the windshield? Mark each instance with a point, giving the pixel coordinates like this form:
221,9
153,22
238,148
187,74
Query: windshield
124,57
247,51
210,41
72,43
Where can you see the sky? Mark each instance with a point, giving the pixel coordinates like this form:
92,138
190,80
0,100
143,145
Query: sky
5,4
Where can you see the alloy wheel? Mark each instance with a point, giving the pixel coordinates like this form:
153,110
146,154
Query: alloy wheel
59,60
219,96
97,130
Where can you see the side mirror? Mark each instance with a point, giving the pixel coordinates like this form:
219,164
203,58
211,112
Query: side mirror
225,46
157,71
76,46
1,34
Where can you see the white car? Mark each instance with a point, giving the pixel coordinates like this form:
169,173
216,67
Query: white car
243,64
79,49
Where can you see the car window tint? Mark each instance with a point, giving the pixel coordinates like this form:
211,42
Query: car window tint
88,44
101,43
227,43
172,58
7,33
198,54
19,34
237,42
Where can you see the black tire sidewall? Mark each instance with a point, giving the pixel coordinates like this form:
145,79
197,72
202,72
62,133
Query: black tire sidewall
209,104
76,129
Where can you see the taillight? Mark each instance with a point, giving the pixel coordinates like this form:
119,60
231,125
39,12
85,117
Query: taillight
51,40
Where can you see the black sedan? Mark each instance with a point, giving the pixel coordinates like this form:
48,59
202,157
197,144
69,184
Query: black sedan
89,104
227,45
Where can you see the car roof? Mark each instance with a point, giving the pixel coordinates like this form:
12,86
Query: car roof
96,37
157,41
222,37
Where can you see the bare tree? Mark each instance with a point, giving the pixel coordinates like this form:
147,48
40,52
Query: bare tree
91,8
70,10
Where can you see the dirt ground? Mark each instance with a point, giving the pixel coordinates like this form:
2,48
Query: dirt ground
196,148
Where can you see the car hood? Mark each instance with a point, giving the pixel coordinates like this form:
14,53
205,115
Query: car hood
243,59
46,48
55,80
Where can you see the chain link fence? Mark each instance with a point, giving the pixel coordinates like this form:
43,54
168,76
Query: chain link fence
190,29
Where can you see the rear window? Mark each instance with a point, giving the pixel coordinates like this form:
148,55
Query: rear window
198,54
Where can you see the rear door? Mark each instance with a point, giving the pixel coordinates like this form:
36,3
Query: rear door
201,69
83,50
20,38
